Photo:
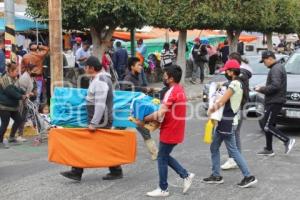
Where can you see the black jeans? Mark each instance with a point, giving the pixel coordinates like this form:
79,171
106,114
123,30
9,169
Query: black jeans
198,67
212,63
5,117
269,123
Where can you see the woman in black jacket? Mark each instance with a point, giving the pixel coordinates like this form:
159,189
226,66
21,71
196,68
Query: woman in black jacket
9,102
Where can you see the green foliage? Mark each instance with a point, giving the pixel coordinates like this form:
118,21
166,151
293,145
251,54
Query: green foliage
100,14
173,14
232,15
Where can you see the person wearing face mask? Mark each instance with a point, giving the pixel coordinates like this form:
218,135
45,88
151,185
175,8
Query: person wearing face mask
26,82
10,95
172,115
275,97
232,100
245,75
133,83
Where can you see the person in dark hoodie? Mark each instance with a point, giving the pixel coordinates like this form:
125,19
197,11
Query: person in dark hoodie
200,57
99,107
120,58
10,95
275,96
133,83
245,75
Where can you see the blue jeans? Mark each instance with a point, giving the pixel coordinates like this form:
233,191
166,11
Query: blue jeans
39,85
164,160
143,78
232,149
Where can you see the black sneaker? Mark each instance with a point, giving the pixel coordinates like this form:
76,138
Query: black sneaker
289,145
110,177
247,182
213,180
72,175
266,152
13,141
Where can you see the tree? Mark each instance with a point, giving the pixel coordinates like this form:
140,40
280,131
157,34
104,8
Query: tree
101,17
281,16
176,15
265,16
234,16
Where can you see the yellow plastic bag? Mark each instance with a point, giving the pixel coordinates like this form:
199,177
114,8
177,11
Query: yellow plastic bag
208,134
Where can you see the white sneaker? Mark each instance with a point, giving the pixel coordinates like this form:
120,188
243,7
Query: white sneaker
187,182
229,164
21,139
158,193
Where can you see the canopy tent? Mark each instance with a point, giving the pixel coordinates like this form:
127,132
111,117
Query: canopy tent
126,35
23,24
247,38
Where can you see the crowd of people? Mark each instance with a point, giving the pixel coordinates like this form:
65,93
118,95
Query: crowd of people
18,83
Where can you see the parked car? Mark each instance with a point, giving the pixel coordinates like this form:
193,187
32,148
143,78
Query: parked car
290,113
259,77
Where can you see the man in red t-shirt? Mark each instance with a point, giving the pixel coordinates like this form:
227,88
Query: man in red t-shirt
172,117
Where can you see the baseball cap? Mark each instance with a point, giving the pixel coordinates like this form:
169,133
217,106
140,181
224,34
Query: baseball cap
266,54
197,39
231,64
78,39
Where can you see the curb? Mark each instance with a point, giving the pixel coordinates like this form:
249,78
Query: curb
28,132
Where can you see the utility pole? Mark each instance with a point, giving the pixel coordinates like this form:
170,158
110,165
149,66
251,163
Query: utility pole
55,36
10,31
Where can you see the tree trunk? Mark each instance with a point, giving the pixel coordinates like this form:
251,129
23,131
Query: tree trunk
269,41
233,39
132,42
181,53
101,41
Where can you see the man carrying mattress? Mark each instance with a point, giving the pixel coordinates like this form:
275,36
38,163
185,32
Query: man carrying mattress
99,108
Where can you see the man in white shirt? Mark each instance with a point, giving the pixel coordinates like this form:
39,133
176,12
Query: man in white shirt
82,54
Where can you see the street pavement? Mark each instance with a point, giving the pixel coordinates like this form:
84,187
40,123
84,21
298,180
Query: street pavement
26,174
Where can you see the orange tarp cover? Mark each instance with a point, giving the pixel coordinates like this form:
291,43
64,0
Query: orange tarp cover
126,35
247,38
81,148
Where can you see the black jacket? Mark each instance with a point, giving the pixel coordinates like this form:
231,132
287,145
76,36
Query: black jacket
199,53
9,94
132,82
276,86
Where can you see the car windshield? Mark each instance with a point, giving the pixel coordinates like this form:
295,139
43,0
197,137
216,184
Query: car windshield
258,68
293,64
